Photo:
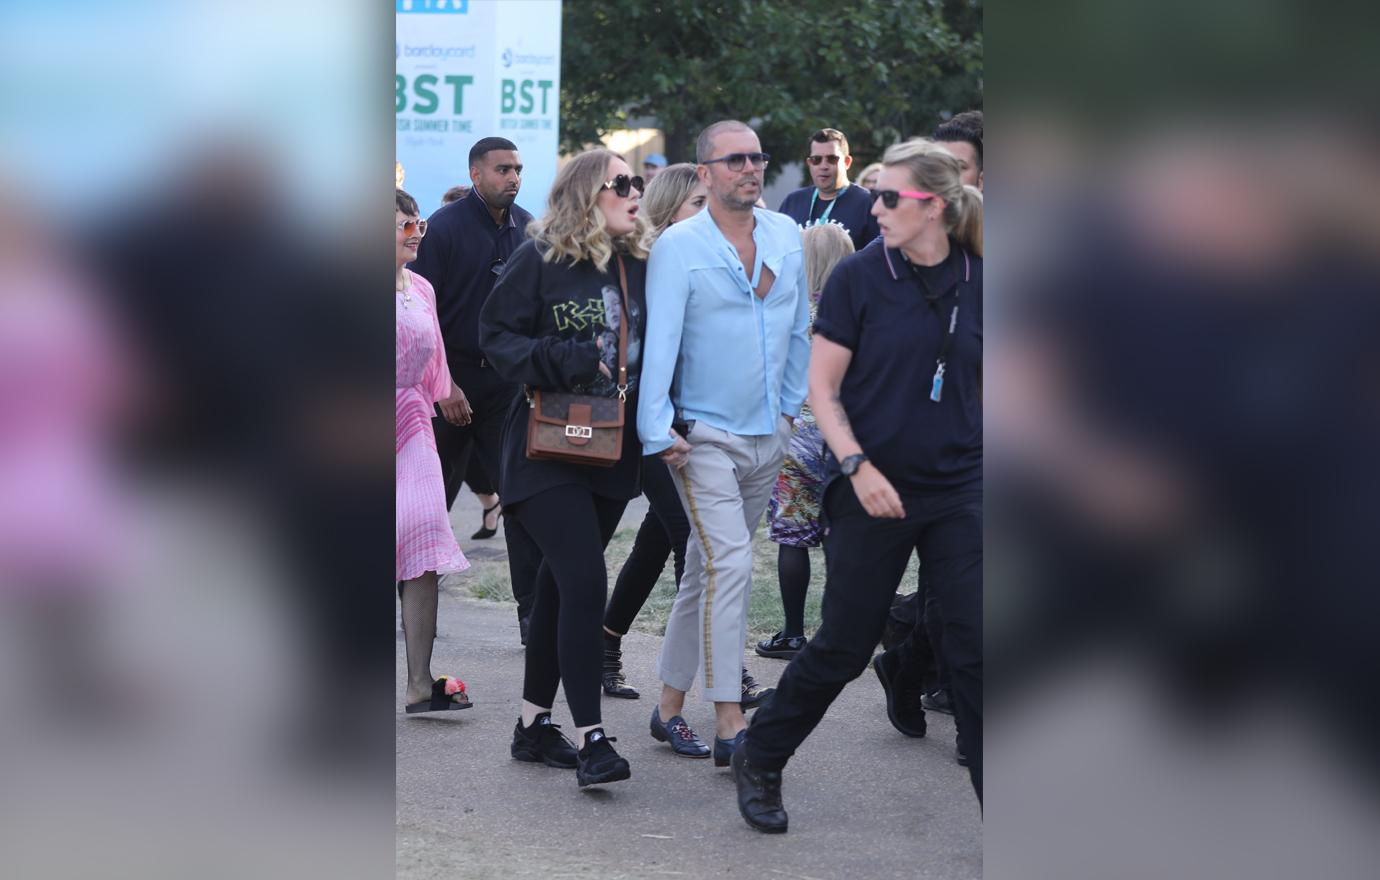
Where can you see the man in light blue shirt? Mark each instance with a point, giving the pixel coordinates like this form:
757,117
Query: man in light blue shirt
723,377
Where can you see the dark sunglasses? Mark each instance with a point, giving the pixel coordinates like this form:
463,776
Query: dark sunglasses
815,160
891,198
736,161
410,226
623,184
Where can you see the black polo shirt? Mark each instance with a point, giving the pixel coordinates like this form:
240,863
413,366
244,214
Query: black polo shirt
874,305
852,209
459,255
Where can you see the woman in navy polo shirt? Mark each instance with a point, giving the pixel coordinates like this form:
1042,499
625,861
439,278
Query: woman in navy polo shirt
896,387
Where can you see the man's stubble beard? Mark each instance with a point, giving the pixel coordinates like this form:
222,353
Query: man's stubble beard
735,202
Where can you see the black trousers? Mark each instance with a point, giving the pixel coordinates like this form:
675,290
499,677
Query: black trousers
572,526
867,559
476,477
663,532
490,398
925,654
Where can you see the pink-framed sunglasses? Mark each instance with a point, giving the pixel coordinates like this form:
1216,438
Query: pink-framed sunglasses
891,197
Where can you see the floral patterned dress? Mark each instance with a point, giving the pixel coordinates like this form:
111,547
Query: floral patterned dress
793,512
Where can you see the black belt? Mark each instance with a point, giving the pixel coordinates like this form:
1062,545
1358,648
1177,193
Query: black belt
481,363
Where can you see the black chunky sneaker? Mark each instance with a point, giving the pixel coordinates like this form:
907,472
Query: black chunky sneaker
780,646
938,701
753,693
759,794
598,762
902,699
543,743
614,683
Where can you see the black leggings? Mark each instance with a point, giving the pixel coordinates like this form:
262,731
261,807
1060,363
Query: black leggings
664,531
572,526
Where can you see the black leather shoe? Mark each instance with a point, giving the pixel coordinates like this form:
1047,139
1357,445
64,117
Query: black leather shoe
598,762
543,743
615,685
902,702
754,694
780,646
759,795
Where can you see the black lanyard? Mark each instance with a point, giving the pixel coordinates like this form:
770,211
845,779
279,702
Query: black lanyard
948,328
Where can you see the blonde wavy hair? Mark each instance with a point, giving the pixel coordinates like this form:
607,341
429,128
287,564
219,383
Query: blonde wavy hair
934,169
874,167
573,227
825,245
666,193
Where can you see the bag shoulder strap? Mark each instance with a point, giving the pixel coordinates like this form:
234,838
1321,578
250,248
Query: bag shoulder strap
623,333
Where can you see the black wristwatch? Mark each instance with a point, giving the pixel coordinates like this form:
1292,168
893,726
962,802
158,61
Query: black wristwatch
850,465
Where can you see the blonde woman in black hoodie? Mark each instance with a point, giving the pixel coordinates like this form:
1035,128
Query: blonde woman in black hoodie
552,323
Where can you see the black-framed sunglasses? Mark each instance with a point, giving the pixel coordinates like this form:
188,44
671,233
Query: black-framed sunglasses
891,198
623,184
832,159
736,161
410,226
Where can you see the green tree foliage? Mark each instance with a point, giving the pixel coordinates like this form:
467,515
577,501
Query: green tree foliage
879,70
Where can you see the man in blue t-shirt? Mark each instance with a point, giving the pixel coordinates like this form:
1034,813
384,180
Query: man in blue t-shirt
832,199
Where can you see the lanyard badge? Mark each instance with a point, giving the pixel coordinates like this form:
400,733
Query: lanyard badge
947,339
937,386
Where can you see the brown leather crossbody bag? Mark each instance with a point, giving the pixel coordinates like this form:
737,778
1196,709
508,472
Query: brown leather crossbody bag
582,428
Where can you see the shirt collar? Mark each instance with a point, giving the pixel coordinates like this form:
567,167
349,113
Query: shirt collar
510,223
900,258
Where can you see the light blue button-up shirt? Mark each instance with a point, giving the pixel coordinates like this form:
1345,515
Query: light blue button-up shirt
714,350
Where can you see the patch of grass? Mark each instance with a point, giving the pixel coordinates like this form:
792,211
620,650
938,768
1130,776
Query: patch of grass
488,579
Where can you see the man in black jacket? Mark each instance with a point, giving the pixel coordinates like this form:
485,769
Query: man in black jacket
465,249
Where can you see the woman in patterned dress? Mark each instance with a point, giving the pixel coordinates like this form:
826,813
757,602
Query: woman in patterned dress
793,512
425,544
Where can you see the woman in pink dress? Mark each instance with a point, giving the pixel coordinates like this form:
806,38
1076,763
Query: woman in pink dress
425,543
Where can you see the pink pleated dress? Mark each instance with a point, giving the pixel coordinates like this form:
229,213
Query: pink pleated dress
425,541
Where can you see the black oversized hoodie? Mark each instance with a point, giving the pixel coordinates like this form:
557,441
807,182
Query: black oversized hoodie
538,328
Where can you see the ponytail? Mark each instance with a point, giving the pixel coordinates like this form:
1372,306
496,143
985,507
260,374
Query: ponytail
935,170
965,216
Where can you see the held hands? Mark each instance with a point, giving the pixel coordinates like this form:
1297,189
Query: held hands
678,453
456,408
879,498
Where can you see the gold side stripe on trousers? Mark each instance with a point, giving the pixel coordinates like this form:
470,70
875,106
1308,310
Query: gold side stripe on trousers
708,581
